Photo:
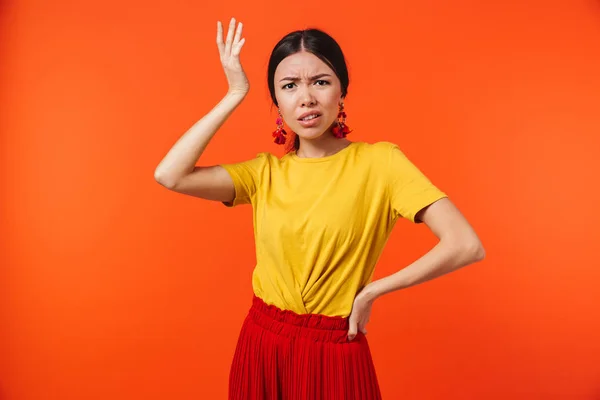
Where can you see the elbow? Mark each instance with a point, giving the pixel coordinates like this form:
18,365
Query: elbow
162,180
476,251
467,248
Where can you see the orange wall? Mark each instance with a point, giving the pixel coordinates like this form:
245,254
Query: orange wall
112,287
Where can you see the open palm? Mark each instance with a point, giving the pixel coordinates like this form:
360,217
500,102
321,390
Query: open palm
229,52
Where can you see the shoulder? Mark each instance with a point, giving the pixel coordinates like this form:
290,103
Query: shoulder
385,146
255,165
386,157
267,161
379,150
264,158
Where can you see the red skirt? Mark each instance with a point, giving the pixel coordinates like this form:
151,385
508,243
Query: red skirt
284,355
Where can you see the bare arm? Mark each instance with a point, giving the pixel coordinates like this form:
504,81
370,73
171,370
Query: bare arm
459,246
178,171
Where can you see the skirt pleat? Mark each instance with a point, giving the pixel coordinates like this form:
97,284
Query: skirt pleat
281,355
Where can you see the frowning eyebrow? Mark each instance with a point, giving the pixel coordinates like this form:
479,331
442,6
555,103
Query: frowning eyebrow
294,78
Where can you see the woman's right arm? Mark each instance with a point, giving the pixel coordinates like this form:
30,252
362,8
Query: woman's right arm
178,171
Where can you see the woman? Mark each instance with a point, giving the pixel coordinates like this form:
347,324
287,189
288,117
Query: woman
322,215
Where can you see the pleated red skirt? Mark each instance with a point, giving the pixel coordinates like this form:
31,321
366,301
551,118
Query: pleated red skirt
281,355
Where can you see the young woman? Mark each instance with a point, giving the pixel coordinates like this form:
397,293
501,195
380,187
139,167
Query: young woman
322,215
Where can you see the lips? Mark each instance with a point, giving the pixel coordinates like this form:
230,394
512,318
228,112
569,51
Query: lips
307,114
310,123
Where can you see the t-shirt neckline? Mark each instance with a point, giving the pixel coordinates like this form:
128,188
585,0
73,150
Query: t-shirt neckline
295,157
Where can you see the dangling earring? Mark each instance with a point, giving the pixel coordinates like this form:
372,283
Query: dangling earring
280,133
341,129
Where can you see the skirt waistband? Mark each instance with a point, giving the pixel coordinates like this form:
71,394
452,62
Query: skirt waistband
316,327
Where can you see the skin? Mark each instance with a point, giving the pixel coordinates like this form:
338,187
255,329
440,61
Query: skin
316,88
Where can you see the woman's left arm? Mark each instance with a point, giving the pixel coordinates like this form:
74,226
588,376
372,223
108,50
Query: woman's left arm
458,246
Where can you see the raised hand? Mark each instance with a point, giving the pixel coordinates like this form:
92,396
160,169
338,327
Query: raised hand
230,57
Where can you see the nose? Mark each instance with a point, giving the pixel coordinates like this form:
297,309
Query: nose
307,97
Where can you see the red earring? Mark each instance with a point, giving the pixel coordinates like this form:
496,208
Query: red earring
341,129
280,133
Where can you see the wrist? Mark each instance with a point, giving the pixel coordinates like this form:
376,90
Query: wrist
236,94
371,292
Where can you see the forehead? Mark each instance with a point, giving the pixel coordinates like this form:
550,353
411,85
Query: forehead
302,63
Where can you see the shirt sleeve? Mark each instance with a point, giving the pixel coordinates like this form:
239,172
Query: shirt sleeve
246,178
409,189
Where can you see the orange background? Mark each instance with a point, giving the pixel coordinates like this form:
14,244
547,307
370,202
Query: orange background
113,287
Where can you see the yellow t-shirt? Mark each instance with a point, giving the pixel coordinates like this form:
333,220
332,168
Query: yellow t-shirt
320,224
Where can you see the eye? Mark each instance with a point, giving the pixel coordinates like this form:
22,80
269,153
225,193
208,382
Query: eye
321,81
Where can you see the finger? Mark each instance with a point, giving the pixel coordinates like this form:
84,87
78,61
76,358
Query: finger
352,330
238,33
363,330
236,50
229,36
220,43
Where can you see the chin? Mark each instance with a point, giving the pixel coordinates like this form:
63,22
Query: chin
310,133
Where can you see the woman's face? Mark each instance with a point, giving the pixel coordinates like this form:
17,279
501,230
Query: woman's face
305,84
